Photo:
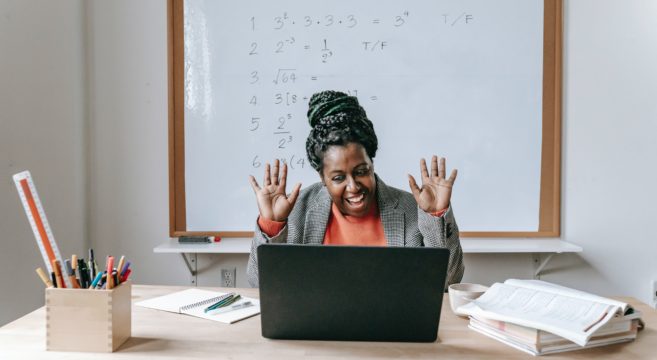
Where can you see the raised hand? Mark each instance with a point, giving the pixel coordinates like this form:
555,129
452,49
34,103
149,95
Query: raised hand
273,202
436,191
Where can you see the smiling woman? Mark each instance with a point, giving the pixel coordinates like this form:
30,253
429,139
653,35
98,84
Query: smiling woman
352,205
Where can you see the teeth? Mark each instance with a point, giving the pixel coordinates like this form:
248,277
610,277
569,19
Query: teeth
356,199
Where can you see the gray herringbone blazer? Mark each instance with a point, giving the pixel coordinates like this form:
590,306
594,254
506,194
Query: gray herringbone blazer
404,224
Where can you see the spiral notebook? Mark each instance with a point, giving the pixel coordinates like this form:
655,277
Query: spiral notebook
194,301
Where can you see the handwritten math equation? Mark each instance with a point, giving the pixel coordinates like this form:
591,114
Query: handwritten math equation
277,105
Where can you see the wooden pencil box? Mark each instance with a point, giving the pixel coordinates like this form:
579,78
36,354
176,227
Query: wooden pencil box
88,320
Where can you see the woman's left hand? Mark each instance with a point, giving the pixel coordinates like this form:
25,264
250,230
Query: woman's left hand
436,191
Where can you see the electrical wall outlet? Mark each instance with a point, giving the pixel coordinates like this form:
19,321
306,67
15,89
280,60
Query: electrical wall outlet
228,277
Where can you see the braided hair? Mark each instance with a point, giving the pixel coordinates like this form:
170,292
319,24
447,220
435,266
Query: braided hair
337,119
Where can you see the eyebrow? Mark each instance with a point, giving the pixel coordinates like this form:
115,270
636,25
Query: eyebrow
355,167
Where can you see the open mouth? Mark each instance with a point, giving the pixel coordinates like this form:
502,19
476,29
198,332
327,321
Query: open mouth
356,201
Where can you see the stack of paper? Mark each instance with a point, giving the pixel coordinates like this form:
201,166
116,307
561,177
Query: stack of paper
542,318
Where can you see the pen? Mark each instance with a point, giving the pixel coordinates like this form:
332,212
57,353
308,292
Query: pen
124,269
92,268
74,264
118,269
96,280
44,277
84,275
125,275
220,301
71,274
58,274
230,308
110,266
54,279
224,302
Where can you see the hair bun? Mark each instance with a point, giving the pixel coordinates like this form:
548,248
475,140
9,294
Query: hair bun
327,103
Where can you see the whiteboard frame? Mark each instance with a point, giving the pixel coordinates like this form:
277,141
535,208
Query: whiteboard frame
550,188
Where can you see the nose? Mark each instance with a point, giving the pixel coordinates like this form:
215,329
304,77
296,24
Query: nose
352,184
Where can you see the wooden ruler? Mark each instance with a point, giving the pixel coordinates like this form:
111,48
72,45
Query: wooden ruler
38,221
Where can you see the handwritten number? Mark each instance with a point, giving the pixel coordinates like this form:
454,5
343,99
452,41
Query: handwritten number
279,48
329,18
254,77
352,21
254,46
308,21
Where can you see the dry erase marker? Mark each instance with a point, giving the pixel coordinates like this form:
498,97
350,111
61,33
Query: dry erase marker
230,308
54,278
44,277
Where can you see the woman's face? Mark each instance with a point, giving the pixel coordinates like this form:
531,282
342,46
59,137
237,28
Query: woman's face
348,174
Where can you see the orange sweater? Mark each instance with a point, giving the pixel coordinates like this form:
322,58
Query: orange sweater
344,229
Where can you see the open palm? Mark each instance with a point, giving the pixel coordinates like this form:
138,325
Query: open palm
435,193
273,202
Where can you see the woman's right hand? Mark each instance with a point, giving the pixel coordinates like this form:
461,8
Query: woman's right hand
273,202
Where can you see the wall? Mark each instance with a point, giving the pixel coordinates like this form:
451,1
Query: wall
42,129
610,117
607,185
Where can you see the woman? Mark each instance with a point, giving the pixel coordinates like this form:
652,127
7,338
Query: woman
352,205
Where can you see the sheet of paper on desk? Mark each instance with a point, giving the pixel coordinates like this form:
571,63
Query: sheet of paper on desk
196,300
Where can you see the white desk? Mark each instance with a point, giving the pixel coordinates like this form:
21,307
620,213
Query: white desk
536,247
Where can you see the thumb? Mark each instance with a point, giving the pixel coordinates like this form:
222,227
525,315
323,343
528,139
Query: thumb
414,188
295,193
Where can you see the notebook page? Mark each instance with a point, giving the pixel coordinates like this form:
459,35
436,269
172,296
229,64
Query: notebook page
173,302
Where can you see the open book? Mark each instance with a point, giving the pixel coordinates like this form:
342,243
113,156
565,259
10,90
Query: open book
572,314
195,301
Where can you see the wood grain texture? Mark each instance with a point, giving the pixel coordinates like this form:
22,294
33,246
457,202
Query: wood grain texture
162,335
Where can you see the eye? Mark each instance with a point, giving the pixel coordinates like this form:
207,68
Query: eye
338,178
362,172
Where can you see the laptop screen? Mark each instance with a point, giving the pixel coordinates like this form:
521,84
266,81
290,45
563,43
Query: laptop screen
316,292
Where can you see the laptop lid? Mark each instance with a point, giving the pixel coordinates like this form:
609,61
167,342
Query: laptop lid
316,292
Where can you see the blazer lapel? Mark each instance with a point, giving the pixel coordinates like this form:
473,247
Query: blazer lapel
317,218
391,217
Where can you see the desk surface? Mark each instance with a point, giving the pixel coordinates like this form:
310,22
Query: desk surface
157,334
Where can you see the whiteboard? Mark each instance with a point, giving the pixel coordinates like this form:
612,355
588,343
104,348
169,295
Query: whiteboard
460,79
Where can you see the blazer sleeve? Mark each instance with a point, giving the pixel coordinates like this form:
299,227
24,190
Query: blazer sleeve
443,232
260,238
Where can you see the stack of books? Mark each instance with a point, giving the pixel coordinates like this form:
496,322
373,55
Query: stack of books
541,318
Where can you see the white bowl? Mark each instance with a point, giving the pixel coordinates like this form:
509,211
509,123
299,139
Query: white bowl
463,293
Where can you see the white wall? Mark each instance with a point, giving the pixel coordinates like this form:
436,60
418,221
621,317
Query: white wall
42,129
610,115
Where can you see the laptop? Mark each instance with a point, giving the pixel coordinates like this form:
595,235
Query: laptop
352,293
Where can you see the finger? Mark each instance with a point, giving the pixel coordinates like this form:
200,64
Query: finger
267,180
434,166
441,168
283,181
452,176
423,170
414,188
295,193
254,184
274,173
